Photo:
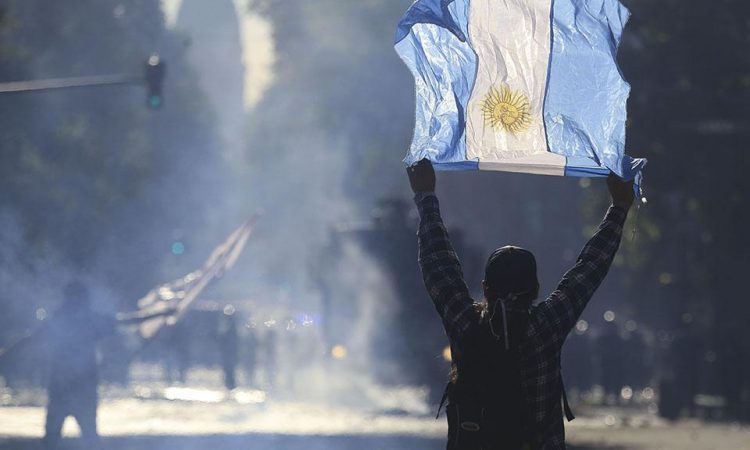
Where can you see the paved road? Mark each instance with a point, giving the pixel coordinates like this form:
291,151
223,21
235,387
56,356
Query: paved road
211,421
251,442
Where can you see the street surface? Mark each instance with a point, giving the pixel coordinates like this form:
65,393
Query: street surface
153,416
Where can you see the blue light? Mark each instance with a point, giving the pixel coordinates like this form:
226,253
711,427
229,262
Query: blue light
178,248
154,102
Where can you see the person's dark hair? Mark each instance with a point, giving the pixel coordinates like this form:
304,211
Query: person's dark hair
511,272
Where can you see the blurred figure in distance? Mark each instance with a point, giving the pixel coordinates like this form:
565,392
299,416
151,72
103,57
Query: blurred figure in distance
72,335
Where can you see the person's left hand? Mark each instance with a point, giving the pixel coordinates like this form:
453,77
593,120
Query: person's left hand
621,191
422,176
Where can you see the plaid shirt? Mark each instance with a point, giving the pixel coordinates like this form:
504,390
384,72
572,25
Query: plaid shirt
550,321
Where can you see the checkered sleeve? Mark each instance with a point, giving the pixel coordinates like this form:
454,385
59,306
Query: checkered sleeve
441,269
565,305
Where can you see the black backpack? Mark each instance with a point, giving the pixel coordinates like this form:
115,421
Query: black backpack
486,408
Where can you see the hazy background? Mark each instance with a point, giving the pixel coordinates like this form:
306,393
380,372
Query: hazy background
303,110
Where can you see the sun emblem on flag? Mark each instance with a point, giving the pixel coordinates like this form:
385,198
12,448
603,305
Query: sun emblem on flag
506,109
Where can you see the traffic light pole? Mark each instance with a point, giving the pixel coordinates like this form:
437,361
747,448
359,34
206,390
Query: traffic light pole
66,83
153,77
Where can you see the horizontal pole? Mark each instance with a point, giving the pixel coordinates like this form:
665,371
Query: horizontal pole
72,82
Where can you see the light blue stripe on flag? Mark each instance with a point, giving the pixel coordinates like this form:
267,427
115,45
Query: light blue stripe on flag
431,40
585,106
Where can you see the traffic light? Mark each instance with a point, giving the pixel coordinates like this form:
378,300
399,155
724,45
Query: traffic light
155,71
178,248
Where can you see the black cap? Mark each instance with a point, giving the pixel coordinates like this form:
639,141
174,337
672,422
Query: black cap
511,270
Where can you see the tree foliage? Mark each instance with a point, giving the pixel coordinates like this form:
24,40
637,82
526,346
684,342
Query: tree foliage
690,73
94,179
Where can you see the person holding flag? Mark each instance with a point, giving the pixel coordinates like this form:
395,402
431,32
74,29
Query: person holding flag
525,86
506,390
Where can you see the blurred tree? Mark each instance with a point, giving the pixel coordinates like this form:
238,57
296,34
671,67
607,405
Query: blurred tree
92,176
338,72
689,67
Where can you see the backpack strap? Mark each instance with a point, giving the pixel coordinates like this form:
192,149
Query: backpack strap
566,406
446,393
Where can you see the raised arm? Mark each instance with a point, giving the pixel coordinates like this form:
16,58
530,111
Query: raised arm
565,305
441,269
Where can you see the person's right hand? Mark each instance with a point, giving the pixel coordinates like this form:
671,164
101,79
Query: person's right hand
621,191
422,176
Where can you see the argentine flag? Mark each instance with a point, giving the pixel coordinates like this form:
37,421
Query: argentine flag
518,85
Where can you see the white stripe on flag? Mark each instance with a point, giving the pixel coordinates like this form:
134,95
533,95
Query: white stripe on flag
504,117
540,164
